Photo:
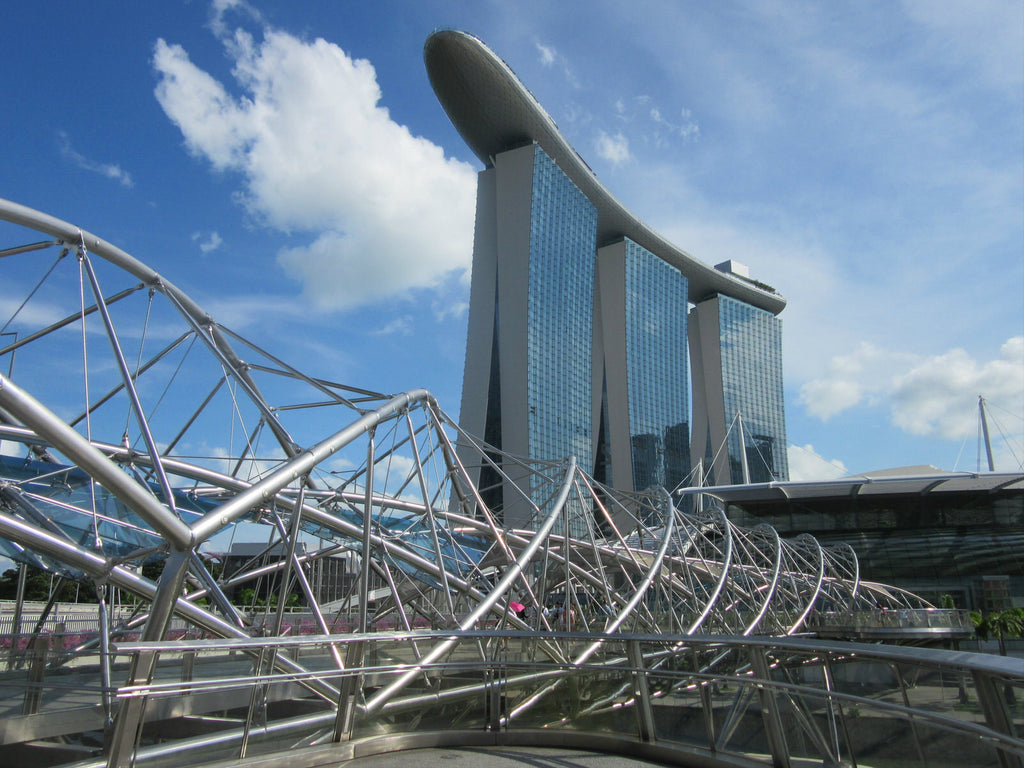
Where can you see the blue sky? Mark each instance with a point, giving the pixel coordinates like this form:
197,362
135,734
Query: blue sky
288,165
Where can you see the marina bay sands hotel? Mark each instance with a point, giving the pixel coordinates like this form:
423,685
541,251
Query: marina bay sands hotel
588,330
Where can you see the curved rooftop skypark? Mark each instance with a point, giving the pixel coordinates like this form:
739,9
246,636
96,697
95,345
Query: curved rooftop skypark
494,112
584,321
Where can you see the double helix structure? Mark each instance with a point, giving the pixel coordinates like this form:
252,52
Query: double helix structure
141,441
178,430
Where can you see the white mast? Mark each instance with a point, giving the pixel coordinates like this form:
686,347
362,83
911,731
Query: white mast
984,432
743,450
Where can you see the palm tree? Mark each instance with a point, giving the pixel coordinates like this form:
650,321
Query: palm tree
1000,625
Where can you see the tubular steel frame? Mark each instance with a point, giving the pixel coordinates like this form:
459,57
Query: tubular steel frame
182,434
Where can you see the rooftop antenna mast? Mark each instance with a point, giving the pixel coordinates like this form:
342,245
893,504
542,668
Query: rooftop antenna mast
743,450
984,432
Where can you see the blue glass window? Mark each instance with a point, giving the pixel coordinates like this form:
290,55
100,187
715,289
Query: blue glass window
656,372
563,232
751,342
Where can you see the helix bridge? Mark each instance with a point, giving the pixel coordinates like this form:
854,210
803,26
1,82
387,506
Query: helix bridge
141,441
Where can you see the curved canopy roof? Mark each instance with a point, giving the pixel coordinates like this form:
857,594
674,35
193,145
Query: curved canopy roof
494,112
910,481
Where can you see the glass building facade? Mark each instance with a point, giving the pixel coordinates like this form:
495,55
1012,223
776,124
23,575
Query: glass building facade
575,348
582,346
751,353
968,544
739,418
528,387
656,369
563,228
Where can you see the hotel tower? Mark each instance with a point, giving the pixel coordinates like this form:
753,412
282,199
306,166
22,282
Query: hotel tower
588,330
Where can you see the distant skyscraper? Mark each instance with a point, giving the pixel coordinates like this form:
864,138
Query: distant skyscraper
578,321
640,365
736,355
528,387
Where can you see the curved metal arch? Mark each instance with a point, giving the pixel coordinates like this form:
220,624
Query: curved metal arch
808,542
721,524
439,551
379,699
72,236
53,430
768,593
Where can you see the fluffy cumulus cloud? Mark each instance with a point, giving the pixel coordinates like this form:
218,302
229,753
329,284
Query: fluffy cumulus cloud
807,464
929,399
319,154
861,376
930,396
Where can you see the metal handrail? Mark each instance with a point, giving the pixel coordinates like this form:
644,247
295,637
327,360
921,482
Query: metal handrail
782,681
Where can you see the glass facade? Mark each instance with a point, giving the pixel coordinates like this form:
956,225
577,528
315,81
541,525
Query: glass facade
751,348
958,543
563,230
656,373
590,355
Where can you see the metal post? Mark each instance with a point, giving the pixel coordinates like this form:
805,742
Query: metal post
984,430
351,685
991,696
16,624
367,522
103,592
906,702
257,697
432,519
40,646
833,706
129,719
492,698
743,450
641,692
770,713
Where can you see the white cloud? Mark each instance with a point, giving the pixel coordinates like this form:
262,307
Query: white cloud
212,242
394,474
930,396
400,325
442,310
219,9
549,57
648,126
825,398
806,464
319,154
221,459
687,127
11,448
938,397
614,149
396,465
547,54
340,463
861,376
110,170
34,314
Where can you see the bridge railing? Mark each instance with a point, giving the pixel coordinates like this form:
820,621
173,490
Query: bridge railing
766,700
937,621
